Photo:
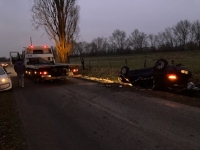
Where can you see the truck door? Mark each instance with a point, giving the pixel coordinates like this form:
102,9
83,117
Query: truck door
14,56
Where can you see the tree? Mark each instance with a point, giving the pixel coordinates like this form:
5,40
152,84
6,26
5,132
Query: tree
182,31
99,45
3,59
196,32
80,48
152,41
118,39
166,39
59,18
138,40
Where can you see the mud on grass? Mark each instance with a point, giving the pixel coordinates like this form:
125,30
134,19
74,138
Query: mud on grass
105,73
11,137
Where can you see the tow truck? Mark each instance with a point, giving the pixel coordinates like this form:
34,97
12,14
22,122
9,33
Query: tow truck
40,64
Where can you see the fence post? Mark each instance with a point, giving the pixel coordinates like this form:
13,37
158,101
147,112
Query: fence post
98,63
109,63
89,65
145,63
126,62
172,62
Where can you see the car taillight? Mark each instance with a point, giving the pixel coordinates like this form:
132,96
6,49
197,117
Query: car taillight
172,76
43,72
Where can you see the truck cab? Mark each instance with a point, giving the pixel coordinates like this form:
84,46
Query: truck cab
36,55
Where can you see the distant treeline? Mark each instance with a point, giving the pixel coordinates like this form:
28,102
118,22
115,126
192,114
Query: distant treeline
4,59
185,35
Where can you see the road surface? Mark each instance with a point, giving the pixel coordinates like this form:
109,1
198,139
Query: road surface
82,115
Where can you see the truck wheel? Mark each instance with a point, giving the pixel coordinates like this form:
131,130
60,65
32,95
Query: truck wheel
160,66
124,70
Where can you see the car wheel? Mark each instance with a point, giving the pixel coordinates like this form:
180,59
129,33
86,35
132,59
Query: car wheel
124,70
160,66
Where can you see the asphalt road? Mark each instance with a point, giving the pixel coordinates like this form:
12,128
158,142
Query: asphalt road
84,115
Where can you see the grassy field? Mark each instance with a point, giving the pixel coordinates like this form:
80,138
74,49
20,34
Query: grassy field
109,66
10,126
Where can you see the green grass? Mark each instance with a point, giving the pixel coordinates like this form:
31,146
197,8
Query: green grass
109,66
10,126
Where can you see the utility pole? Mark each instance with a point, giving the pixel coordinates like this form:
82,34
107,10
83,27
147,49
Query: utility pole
31,41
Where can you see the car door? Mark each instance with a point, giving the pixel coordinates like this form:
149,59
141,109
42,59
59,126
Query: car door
14,56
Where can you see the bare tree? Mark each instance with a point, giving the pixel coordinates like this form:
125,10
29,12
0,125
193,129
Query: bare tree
80,48
168,37
99,45
152,40
59,18
182,31
196,32
118,39
138,40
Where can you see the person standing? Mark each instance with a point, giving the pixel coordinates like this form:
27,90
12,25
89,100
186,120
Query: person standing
19,68
82,62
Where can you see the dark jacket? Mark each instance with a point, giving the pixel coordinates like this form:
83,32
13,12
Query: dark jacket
19,67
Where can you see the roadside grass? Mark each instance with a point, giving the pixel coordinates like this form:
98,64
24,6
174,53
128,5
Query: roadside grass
109,66
11,137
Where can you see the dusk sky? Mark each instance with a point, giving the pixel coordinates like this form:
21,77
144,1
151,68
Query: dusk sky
98,18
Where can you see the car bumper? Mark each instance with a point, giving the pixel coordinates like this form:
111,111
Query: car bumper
5,86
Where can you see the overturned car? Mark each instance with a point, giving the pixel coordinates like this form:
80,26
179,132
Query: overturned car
161,76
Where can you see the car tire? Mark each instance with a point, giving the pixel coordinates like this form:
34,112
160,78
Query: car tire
160,66
124,70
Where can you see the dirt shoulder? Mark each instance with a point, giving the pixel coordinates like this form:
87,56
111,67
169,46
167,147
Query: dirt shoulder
191,98
11,136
